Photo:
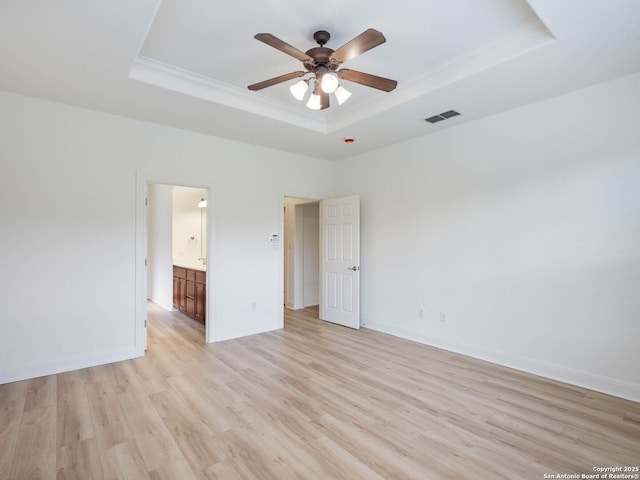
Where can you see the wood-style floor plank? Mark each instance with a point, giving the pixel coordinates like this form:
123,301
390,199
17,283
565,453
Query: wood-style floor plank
109,422
123,461
173,471
74,416
157,446
311,401
12,398
35,451
194,438
79,460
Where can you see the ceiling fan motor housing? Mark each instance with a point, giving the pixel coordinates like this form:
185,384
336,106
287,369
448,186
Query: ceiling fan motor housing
320,55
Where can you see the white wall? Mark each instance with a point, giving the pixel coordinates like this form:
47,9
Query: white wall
68,230
311,253
159,245
189,226
524,228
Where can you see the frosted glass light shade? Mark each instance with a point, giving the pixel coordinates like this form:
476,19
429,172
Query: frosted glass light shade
342,94
329,83
299,89
314,102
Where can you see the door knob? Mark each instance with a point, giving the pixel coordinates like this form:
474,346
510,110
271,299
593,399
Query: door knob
354,268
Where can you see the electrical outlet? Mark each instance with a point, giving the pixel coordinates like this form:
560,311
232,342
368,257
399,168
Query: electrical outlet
254,306
421,312
443,317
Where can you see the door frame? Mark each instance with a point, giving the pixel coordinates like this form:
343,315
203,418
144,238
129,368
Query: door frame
305,195
299,273
140,317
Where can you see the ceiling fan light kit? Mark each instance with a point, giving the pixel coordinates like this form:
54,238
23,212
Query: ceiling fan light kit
322,64
299,89
329,83
314,102
342,94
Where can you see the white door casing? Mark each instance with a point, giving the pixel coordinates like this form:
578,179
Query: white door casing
340,261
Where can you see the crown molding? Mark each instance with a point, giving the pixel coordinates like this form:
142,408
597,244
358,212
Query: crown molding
529,36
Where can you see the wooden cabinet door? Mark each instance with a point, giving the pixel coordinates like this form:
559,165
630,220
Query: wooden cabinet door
176,292
200,301
182,294
191,307
191,296
191,289
189,292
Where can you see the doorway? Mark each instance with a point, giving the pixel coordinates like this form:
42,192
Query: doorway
176,241
336,275
301,253
156,238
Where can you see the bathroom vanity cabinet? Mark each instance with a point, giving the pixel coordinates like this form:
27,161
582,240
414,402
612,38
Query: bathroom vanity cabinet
189,292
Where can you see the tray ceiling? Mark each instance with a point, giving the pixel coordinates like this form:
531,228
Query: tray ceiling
187,63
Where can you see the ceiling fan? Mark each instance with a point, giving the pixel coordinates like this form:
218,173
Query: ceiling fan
323,64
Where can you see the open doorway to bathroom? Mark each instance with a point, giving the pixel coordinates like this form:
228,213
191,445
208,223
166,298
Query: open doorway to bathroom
176,243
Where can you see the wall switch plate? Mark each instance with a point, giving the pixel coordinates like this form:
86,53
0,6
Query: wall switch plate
443,317
420,312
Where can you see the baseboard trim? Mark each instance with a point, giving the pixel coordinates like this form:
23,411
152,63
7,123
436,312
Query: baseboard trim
167,307
245,333
599,383
65,365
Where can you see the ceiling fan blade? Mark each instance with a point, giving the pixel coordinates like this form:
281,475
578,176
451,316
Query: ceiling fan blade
381,83
362,43
324,100
275,42
275,80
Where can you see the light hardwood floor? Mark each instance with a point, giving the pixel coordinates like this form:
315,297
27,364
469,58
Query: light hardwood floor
312,401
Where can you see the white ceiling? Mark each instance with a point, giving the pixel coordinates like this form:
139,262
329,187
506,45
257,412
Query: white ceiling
187,63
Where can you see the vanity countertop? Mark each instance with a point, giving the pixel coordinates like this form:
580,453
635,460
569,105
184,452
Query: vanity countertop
191,265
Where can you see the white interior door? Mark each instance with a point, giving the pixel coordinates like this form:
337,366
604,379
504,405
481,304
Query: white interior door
340,261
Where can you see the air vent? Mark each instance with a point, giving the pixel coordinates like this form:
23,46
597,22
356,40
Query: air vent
442,116
435,119
449,114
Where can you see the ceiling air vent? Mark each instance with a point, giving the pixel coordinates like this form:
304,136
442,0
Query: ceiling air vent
442,116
